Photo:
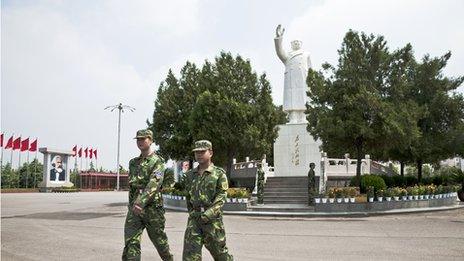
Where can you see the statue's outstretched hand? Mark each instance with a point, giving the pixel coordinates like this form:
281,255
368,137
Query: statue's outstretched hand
279,31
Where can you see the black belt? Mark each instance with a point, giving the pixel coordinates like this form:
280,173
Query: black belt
199,209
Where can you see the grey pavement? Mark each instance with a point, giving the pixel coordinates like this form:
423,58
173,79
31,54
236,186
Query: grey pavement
89,226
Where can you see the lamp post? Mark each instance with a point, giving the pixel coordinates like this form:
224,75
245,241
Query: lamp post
120,108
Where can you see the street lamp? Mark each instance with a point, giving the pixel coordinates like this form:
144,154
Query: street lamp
121,108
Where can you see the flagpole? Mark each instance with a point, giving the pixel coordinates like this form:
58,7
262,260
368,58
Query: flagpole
27,169
75,160
87,161
35,167
96,160
81,157
19,162
11,155
1,159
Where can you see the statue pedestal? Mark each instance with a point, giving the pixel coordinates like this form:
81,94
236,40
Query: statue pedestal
294,149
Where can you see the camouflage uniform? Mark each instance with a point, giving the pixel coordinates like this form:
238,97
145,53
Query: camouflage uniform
311,184
206,194
260,185
145,179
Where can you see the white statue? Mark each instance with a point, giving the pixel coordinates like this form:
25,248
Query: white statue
297,63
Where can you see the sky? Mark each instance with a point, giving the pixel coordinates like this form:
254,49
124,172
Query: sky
63,62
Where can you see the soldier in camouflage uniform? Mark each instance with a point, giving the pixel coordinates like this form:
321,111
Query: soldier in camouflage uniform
206,187
311,183
260,184
145,202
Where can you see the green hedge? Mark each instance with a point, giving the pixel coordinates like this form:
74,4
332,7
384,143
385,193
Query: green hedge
370,180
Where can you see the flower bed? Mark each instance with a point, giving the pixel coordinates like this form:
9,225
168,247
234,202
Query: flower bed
392,198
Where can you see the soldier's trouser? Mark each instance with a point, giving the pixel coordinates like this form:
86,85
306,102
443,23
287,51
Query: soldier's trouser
211,234
153,220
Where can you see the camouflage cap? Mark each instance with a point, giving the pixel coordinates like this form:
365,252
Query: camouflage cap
144,134
203,145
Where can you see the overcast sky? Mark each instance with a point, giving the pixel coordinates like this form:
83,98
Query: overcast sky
63,62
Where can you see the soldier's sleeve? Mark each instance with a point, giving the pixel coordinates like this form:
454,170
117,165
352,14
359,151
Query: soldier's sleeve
220,198
153,186
188,183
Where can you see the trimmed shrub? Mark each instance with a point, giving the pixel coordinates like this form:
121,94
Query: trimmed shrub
370,180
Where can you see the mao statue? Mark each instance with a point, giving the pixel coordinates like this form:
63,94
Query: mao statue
297,63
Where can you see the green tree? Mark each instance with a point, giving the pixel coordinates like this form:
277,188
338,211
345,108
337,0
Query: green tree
92,167
442,120
9,177
225,102
35,174
349,110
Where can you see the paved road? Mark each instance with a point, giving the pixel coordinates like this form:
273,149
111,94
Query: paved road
89,226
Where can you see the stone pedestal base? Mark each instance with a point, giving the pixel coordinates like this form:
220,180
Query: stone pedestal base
294,149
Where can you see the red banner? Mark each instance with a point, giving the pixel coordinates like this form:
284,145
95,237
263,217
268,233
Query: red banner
17,143
33,146
24,145
80,153
95,153
75,151
9,143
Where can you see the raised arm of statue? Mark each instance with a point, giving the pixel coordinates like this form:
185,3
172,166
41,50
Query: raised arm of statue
278,44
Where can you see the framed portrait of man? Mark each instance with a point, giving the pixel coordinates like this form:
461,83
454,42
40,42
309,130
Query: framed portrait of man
58,169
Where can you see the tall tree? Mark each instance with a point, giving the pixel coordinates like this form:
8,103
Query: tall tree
442,120
225,102
349,110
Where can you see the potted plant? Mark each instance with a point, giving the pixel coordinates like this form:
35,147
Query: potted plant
403,194
325,197
415,192
339,195
440,191
352,194
429,190
370,193
396,193
410,191
421,191
331,195
388,194
345,196
380,194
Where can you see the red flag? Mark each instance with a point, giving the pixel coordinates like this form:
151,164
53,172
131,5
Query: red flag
95,153
80,153
91,153
1,140
17,143
9,143
24,145
75,151
86,152
33,146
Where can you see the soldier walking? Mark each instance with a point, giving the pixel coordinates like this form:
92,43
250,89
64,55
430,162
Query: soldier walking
206,186
145,202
